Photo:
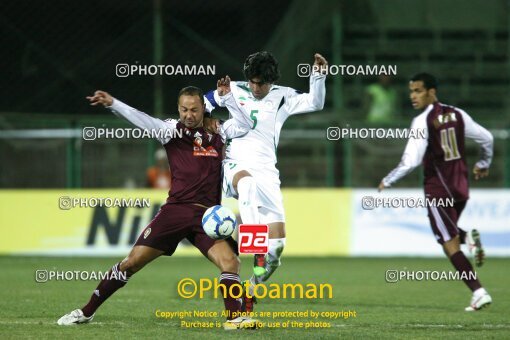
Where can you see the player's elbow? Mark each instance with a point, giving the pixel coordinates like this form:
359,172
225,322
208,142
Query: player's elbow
243,130
318,105
490,138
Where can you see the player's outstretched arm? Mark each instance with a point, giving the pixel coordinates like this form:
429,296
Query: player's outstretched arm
212,100
238,112
239,124
135,117
216,98
296,102
100,97
412,157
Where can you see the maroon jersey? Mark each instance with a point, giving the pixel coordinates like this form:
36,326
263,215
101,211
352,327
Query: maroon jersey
194,155
195,162
442,152
445,169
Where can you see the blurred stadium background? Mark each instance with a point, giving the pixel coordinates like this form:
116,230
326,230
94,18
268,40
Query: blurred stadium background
54,53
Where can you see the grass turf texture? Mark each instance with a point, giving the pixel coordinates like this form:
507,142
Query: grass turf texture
412,309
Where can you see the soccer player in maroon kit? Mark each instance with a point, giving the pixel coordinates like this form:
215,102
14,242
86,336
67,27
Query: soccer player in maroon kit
195,160
446,175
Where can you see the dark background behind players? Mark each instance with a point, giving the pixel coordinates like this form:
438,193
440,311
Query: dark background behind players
52,55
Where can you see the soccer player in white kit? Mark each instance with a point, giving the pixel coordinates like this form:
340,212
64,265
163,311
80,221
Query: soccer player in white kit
249,168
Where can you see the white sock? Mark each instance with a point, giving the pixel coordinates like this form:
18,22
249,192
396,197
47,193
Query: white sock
275,249
248,207
480,291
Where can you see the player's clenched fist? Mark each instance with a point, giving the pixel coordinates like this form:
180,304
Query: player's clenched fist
320,63
480,173
101,97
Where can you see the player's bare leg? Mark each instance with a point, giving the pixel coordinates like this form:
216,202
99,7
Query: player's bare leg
480,296
136,260
222,255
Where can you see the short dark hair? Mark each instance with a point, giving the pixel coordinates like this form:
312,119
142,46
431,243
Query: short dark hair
263,65
429,81
191,91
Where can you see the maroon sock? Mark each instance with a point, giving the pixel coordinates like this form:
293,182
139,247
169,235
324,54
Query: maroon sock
109,285
462,236
233,305
464,267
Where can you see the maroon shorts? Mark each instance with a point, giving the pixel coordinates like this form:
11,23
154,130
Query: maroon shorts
444,221
175,222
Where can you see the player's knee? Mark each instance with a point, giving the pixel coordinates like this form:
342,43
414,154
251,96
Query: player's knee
449,251
452,246
246,188
277,231
230,263
131,264
241,180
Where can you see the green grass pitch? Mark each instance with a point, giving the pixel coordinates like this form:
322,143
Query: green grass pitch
413,309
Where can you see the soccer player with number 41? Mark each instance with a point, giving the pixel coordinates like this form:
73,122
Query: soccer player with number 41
446,175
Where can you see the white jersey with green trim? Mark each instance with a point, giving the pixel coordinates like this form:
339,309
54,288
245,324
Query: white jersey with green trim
259,145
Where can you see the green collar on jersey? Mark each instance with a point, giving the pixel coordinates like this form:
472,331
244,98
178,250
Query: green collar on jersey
247,89
244,87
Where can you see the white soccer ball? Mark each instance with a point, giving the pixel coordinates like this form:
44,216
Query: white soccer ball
219,222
